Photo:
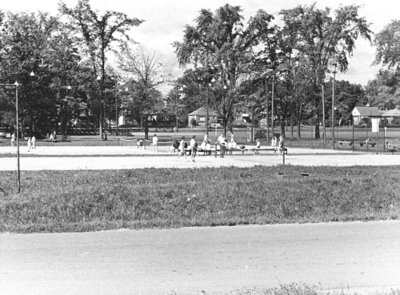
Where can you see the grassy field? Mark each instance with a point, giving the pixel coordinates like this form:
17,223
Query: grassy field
101,200
307,134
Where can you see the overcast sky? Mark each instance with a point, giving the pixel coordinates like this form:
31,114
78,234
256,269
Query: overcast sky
165,21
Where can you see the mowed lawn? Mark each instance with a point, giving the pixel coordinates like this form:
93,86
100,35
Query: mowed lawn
60,201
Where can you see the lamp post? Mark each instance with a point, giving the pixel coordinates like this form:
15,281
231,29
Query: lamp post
265,76
272,104
207,103
178,90
333,106
17,118
100,80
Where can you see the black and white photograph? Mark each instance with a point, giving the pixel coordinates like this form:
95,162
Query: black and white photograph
220,147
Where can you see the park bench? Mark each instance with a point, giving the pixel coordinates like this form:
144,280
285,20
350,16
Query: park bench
367,144
392,145
345,143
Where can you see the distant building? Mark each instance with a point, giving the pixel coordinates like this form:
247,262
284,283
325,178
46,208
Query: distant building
200,116
392,116
364,112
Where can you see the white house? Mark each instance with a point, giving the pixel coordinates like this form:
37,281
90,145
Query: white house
200,116
392,116
364,112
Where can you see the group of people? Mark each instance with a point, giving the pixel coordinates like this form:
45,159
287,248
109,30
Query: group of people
182,147
278,145
222,145
31,142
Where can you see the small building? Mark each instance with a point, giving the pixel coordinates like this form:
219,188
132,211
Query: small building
200,114
392,116
364,113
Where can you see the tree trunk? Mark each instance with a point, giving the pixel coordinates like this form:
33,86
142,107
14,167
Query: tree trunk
283,129
291,129
146,128
299,129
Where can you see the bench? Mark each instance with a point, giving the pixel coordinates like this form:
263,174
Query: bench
345,143
367,144
392,145
257,150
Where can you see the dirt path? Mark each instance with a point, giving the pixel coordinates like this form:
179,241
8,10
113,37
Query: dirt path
94,158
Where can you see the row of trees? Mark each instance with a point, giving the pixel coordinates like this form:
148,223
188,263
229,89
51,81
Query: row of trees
279,66
63,71
263,61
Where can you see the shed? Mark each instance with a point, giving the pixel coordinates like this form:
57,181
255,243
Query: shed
364,112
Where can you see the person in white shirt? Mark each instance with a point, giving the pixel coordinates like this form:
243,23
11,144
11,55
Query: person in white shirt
155,142
29,144
13,139
33,142
221,142
182,148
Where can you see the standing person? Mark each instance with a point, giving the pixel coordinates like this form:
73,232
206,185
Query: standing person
258,146
193,148
231,144
281,145
155,142
182,148
274,143
29,143
33,142
221,142
13,139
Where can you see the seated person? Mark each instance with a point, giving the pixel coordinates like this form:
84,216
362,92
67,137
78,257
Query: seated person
175,146
208,148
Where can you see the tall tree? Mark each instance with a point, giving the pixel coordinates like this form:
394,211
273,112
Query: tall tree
327,40
98,32
145,68
220,42
387,44
26,40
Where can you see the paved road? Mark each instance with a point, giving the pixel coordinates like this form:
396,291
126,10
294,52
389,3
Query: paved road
122,157
359,256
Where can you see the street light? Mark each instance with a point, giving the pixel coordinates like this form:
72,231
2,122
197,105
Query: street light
333,105
176,105
17,118
207,103
265,76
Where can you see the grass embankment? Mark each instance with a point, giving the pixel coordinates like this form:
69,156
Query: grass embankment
300,289
56,201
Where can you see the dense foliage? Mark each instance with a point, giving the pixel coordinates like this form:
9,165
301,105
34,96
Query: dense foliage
309,44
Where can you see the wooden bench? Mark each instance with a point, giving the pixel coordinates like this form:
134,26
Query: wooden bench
257,150
367,144
392,145
345,143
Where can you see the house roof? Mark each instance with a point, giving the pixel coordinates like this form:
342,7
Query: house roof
368,111
203,111
392,113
